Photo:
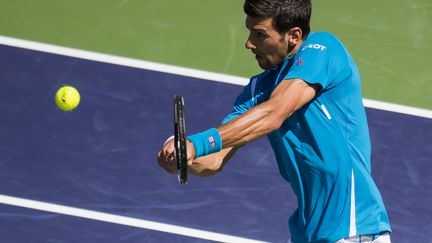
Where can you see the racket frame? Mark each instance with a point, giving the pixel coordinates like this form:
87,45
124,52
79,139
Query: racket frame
180,151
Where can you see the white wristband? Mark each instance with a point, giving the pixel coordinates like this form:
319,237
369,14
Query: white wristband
168,139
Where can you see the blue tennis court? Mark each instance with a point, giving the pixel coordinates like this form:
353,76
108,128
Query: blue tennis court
91,175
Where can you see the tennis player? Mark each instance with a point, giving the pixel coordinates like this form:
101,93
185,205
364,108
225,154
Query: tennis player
308,102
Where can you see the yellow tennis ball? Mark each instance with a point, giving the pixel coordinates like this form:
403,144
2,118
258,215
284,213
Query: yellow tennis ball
67,98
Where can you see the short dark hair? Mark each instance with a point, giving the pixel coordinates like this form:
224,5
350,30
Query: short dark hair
286,13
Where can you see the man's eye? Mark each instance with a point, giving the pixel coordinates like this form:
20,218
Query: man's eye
260,35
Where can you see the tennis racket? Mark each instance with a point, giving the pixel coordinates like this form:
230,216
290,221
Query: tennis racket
180,139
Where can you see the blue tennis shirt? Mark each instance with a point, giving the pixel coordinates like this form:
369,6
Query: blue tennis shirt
323,149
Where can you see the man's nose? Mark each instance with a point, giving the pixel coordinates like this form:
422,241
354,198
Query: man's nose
249,44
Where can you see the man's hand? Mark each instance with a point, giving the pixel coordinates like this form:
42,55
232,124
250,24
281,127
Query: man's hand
166,157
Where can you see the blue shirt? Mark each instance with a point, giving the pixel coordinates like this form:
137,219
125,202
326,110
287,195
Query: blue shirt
323,149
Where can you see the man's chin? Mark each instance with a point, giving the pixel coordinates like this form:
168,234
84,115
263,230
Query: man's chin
261,63
265,66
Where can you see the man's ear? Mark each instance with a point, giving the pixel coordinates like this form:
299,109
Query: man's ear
295,35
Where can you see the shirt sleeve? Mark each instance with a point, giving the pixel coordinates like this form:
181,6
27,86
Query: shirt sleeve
312,65
243,103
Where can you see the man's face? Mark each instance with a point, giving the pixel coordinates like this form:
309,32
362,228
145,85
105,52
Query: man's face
269,46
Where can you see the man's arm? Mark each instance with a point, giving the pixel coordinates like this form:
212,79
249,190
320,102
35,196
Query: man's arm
289,96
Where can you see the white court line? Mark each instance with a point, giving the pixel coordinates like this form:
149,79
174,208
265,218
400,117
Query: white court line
122,220
123,61
189,72
381,105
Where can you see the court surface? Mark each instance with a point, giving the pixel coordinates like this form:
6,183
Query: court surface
91,175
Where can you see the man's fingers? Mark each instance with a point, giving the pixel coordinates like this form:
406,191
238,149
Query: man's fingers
166,160
169,148
166,157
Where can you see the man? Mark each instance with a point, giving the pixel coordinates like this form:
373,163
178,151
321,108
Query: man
308,102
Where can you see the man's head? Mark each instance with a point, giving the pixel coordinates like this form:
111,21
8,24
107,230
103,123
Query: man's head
277,28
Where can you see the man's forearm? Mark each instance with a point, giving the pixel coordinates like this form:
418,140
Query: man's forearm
253,124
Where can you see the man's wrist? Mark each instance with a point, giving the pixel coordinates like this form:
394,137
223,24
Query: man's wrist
206,142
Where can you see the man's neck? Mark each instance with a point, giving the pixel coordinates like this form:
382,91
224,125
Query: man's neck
292,52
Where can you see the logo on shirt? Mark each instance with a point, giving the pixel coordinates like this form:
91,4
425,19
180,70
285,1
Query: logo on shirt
300,61
315,46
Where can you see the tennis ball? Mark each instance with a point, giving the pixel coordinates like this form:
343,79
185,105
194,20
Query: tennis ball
67,98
